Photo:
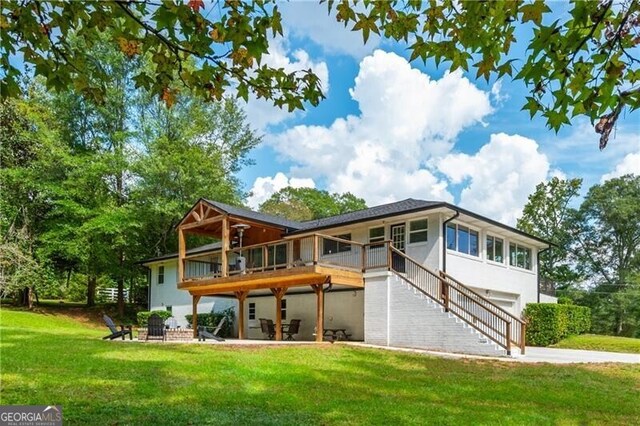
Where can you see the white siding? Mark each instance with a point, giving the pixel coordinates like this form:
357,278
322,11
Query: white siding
168,294
342,309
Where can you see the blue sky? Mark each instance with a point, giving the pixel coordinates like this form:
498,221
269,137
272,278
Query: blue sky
390,129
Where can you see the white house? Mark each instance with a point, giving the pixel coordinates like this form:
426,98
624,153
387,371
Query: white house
411,273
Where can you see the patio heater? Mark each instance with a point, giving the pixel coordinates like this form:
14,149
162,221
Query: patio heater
241,261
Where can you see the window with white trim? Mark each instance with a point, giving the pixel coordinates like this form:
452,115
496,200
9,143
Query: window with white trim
495,249
520,256
160,274
418,231
462,239
376,235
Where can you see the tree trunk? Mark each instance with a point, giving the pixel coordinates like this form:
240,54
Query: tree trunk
121,286
91,290
24,297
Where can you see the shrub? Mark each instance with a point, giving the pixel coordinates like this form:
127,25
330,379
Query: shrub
548,323
143,316
211,321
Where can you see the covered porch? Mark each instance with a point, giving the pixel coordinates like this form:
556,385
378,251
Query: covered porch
255,257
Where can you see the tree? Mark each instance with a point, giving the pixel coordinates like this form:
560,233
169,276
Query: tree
607,249
583,63
547,215
31,161
227,41
309,203
191,151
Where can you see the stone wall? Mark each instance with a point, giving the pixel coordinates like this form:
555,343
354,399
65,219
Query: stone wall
172,334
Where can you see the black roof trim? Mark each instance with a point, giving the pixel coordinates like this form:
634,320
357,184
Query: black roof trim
249,214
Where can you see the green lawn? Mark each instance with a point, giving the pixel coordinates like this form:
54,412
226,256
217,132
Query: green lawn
596,342
47,359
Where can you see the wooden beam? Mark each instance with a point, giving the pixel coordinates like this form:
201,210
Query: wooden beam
194,318
319,311
182,248
279,294
202,222
225,246
241,295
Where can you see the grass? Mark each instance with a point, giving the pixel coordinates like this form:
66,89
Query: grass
596,342
49,359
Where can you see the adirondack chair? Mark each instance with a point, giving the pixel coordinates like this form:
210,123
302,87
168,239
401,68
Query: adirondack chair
172,323
115,333
268,328
292,328
155,328
203,334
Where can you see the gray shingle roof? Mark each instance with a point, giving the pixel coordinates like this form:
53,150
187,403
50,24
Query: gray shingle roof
257,216
392,209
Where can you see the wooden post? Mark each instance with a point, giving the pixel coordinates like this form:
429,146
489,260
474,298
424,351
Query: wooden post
319,312
181,254
508,336
523,334
194,318
315,249
225,246
241,295
364,258
265,258
389,256
279,293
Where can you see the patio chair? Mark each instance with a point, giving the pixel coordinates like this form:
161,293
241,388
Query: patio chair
203,334
268,328
155,328
292,328
115,333
172,323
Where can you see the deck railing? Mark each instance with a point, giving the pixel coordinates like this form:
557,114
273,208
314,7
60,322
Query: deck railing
479,312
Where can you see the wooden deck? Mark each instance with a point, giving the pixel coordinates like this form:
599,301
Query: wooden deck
288,277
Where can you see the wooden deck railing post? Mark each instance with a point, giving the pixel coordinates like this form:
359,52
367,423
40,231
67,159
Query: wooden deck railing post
445,294
508,337
225,246
389,255
316,242
523,334
181,254
364,258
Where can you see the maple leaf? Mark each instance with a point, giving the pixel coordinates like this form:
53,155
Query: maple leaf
168,97
196,5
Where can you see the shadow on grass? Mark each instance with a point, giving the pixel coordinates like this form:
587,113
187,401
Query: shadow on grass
102,382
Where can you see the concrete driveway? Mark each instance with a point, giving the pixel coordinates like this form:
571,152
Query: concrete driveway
570,356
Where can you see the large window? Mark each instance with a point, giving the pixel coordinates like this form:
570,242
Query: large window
520,256
418,230
495,249
462,239
333,246
160,274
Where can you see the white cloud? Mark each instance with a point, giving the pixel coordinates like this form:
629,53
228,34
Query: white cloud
630,164
264,187
262,113
500,176
311,20
385,153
